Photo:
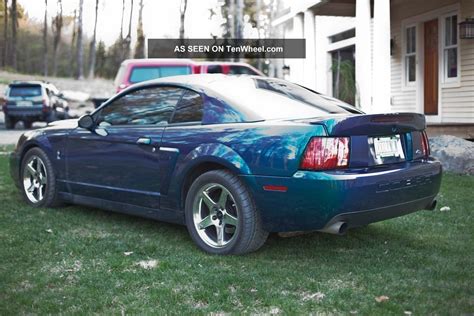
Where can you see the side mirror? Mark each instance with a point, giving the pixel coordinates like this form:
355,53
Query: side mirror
86,121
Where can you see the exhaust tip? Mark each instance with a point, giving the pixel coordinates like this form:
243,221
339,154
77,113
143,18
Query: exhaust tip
338,228
343,228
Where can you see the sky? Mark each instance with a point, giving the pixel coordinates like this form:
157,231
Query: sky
160,17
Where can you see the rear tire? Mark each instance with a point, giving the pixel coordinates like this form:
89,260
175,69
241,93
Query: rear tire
9,122
221,215
38,179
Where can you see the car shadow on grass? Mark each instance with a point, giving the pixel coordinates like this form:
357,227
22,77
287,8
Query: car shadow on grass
378,239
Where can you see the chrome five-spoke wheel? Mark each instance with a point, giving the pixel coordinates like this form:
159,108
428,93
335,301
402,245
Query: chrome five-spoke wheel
215,215
221,215
35,179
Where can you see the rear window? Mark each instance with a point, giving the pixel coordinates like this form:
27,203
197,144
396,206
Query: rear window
276,99
25,91
148,73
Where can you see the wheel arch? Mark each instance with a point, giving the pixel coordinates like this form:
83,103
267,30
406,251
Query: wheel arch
194,172
30,144
206,157
23,152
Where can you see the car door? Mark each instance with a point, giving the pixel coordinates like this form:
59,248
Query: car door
119,160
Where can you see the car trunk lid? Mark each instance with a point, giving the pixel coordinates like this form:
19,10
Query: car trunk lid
378,139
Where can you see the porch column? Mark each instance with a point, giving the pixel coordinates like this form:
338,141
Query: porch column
297,65
381,52
363,55
310,62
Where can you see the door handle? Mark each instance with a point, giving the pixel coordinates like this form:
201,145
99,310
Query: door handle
144,141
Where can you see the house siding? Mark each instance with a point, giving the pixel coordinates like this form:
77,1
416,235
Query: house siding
457,101
401,100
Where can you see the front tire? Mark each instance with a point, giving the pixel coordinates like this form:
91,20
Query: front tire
38,179
221,215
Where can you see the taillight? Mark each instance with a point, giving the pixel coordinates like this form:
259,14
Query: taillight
323,153
425,144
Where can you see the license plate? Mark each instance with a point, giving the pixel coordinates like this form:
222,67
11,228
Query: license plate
24,103
388,147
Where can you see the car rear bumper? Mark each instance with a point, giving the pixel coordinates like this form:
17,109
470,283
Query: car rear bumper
357,197
28,112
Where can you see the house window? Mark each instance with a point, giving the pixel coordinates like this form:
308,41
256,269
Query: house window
450,49
410,55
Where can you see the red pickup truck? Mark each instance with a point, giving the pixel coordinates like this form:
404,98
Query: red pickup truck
136,70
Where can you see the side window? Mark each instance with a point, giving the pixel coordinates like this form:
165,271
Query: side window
142,107
189,108
450,48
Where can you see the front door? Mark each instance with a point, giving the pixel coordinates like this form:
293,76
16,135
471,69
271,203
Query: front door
430,77
119,161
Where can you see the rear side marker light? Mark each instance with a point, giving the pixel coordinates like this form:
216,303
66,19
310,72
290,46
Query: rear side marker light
324,153
275,188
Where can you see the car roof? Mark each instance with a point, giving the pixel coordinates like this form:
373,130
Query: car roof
202,80
231,63
157,61
241,92
25,83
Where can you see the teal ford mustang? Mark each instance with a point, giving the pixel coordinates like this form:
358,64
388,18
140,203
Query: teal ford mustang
232,158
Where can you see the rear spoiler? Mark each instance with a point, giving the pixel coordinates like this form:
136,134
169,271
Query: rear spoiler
372,124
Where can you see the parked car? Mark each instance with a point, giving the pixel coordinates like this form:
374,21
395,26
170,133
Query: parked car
233,158
138,70
31,101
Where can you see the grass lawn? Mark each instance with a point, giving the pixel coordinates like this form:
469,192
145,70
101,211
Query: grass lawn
72,260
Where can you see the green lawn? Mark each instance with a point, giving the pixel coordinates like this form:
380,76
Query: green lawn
72,260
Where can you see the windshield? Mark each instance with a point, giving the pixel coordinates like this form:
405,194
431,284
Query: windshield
277,99
25,91
153,72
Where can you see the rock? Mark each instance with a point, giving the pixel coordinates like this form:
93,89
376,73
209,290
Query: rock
456,154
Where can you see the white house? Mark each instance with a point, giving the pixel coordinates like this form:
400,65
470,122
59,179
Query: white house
408,55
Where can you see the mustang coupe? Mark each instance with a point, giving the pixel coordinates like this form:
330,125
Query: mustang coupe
232,158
